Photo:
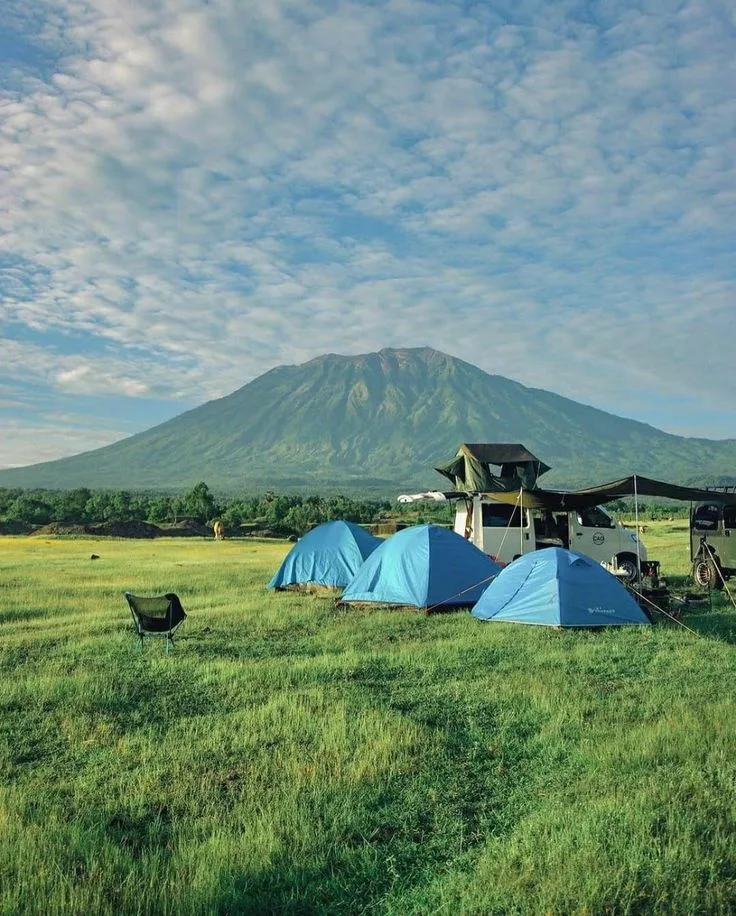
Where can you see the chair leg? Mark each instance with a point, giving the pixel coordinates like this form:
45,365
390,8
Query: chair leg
169,644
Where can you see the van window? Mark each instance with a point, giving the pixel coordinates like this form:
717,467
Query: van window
595,518
729,516
499,515
705,518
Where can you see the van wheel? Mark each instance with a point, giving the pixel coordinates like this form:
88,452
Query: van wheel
706,574
628,565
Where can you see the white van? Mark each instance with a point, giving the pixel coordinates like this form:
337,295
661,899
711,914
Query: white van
505,532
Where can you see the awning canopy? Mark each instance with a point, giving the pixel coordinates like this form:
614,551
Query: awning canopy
606,493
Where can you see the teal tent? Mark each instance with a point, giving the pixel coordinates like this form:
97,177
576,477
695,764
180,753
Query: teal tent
424,566
329,555
555,587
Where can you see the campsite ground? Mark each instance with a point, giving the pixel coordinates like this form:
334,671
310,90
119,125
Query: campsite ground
291,757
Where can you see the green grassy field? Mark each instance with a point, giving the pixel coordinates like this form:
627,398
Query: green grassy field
290,757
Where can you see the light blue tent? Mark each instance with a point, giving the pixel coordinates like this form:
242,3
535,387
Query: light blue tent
558,588
329,554
424,566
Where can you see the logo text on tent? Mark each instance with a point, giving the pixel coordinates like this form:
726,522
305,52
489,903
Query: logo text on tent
601,610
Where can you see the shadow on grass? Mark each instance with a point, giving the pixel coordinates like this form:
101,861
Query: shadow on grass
290,887
221,643
714,625
410,828
461,788
143,692
22,615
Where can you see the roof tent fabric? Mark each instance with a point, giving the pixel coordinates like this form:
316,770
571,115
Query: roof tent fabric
424,566
558,588
470,468
606,492
329,554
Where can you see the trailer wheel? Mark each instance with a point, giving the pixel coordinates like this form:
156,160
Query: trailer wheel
706,574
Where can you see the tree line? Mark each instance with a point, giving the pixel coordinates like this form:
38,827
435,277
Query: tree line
278,512
282,513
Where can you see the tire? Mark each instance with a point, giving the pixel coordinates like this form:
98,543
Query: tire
628,564
706,574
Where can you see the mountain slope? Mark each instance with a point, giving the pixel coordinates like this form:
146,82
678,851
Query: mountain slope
380,420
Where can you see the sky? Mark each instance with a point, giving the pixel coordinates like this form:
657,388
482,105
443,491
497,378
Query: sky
192,193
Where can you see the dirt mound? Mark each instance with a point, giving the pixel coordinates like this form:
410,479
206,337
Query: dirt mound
186,528
247,532
58,528
124,530
386,529
134,529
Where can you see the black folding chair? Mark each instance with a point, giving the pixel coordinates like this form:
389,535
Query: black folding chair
160,615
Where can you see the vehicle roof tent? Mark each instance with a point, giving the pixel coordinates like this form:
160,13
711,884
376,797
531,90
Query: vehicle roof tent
558,588
424,566
470,469
329,555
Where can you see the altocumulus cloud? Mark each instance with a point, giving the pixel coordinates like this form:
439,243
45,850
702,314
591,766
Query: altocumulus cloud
193,193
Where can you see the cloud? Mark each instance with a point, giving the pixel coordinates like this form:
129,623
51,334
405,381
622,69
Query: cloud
192,194
29,443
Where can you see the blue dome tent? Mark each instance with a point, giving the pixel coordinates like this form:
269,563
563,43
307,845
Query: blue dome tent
328,555
558,588
424,566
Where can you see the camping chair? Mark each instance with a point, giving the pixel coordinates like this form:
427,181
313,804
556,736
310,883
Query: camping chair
158,616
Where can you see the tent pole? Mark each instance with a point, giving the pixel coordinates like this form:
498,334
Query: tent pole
636,517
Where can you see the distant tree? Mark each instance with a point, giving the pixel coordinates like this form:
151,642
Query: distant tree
98,506
302,517
160,509
120,508
278,508
7,498
71,505
199,503
32,508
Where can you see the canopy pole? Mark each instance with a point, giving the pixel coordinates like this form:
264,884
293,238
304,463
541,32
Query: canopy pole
636,517
521,521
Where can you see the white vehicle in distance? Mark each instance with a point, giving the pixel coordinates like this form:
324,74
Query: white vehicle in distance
505,532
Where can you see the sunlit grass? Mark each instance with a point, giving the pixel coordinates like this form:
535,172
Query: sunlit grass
294,757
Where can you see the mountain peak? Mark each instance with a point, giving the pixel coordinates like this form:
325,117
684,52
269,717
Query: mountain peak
377,421
395,353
